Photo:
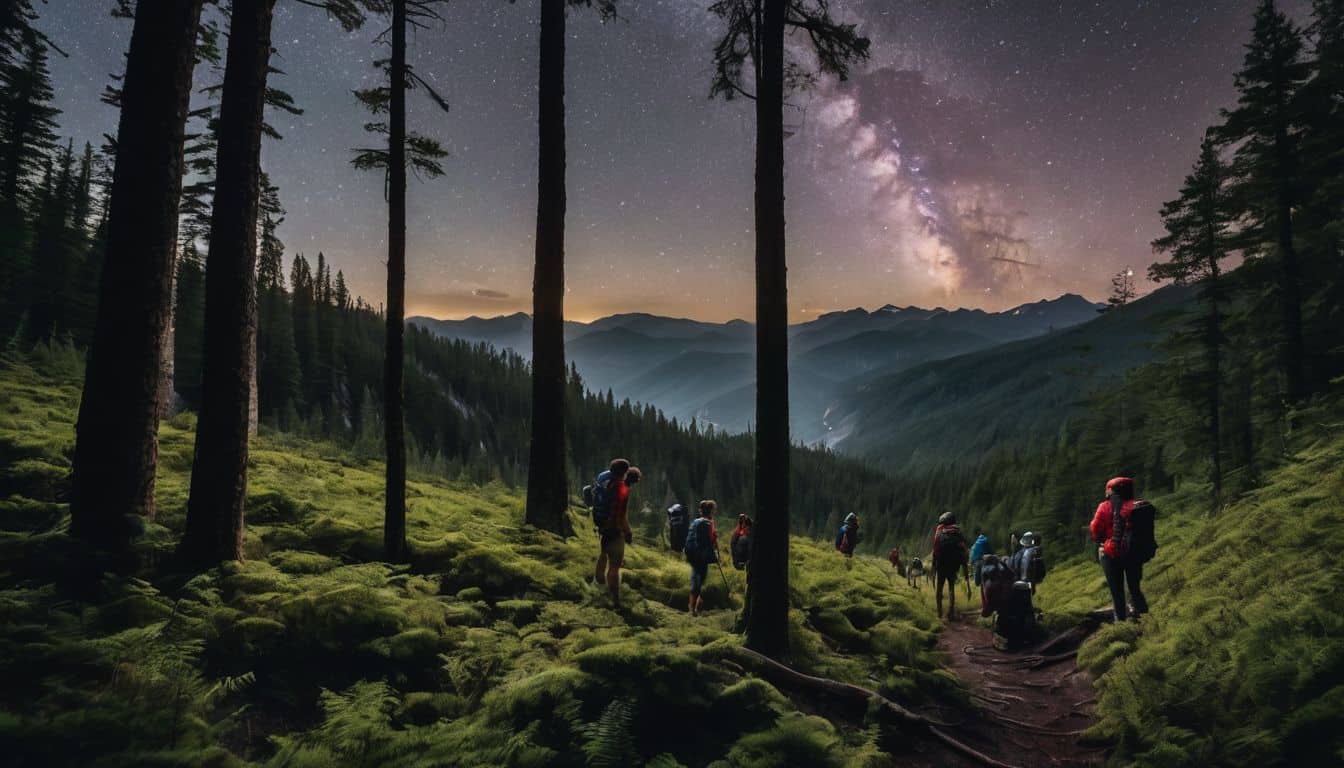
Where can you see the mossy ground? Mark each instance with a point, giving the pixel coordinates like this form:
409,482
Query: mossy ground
491,647
1241,660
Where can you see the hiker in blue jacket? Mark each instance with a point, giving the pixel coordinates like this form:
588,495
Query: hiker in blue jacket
978,550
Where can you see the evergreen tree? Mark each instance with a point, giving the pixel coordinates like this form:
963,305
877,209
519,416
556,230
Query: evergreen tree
1321,217
1199,226
1122,289
188,324
755,33
27,138
27,117
57,248
422,154
214,528
279,380
1264,128
116,444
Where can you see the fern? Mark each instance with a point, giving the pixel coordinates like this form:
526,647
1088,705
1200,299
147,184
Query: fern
611,740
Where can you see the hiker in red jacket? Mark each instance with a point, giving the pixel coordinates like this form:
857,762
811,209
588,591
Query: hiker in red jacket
1123,527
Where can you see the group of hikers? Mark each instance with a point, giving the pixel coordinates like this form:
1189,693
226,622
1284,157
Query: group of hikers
1122,528
608,498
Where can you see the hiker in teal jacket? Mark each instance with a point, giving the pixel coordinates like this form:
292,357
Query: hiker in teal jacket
978,550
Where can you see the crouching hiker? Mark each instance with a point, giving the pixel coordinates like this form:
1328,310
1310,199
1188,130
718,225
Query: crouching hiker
1123,527
610,498
949,557
702,549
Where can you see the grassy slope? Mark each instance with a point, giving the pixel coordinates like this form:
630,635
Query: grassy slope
1241,661
490,649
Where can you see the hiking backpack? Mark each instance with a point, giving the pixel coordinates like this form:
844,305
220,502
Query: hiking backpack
699,546
996,584
847,538
741,549
948,542
1029,564
598,498
1016,620
677,525
1139,538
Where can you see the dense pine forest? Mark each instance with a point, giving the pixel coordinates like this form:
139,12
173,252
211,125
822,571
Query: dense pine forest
249,517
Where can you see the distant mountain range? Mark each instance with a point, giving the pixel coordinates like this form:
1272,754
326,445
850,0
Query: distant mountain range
695,369
1003,396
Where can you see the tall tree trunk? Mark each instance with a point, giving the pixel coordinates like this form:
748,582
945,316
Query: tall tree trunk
1215,350
116,444
214,530
394,422
547,489
1290,287
768,621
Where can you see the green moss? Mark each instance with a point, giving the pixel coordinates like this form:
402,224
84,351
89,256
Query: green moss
491,647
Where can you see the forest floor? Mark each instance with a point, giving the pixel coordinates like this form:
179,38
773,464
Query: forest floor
1031,713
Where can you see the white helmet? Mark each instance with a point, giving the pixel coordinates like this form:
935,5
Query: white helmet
1028,539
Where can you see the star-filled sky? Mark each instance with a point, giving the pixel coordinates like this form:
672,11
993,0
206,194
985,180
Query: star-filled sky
991,151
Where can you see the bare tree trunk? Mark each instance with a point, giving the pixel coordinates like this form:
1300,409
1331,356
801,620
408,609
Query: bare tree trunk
547,488
1215,349
768,621
1290,277
394,420
214,530
116,444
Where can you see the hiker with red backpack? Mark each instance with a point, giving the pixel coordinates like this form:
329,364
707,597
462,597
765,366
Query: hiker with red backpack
740,545
950,555
609,498
1123,528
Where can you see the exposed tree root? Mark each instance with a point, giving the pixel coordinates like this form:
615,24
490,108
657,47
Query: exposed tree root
1037,662
787,677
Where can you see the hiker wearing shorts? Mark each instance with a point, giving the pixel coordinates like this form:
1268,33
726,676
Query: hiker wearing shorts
615,533
949,557
701,554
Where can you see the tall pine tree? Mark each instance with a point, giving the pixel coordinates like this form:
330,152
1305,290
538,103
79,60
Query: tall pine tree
1264,130
547,466
403,149
116,442
1199,237
755,34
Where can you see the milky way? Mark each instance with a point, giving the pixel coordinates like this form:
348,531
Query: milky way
989,153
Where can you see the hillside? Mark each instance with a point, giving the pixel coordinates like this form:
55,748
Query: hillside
634,354
1241,661
490,648
1004,396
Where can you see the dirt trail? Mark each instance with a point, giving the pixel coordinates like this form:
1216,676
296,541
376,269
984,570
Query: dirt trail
1028,717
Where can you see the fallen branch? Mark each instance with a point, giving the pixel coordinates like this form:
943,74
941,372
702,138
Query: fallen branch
783,676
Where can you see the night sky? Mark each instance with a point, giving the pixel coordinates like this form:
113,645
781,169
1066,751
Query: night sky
979,135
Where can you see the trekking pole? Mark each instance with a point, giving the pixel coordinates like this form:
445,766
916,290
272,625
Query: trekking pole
726,588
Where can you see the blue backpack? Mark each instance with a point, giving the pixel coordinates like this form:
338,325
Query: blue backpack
840,538
700,549
598,498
